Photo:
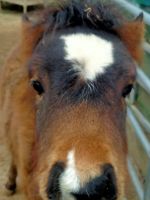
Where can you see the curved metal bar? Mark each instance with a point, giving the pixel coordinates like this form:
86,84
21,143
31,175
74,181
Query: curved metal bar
143,121
143,80
147,185
139,132
135,180
134,10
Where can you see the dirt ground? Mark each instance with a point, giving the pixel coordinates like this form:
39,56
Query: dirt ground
9,31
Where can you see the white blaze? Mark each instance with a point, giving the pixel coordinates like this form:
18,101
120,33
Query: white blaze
69,181
92,54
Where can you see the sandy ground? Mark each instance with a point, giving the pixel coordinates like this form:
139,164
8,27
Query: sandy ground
9,30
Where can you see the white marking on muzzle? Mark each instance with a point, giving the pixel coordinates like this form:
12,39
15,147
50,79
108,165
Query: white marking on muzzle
69,180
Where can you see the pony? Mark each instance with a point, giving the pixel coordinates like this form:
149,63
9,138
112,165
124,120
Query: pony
62,102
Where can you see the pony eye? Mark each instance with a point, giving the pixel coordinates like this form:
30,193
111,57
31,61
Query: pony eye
127,90
37,86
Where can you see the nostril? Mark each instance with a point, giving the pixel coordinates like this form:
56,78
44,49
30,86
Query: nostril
102,187
53,188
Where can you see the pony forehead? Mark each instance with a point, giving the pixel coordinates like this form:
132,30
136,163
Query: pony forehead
90,54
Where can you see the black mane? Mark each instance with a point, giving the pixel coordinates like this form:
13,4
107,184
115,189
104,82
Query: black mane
99,16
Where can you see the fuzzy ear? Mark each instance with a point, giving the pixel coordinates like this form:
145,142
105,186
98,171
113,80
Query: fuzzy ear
31,33
132,34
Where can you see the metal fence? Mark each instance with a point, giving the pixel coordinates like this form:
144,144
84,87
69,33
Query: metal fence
137,120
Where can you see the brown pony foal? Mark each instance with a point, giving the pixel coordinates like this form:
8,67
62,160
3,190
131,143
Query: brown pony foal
62,102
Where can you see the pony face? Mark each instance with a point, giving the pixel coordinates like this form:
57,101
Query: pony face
82,79
82,70
81,65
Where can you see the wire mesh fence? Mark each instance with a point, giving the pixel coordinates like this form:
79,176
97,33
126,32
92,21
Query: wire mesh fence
138,121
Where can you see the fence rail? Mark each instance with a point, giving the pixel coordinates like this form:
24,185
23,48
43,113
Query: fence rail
138,121
134,10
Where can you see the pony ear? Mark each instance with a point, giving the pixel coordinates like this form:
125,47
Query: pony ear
31,33
132,34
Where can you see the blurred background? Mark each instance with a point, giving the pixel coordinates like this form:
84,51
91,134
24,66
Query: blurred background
138,122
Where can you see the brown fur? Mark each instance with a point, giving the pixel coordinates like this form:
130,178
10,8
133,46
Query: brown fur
69,128
17,108
132,34
67,133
